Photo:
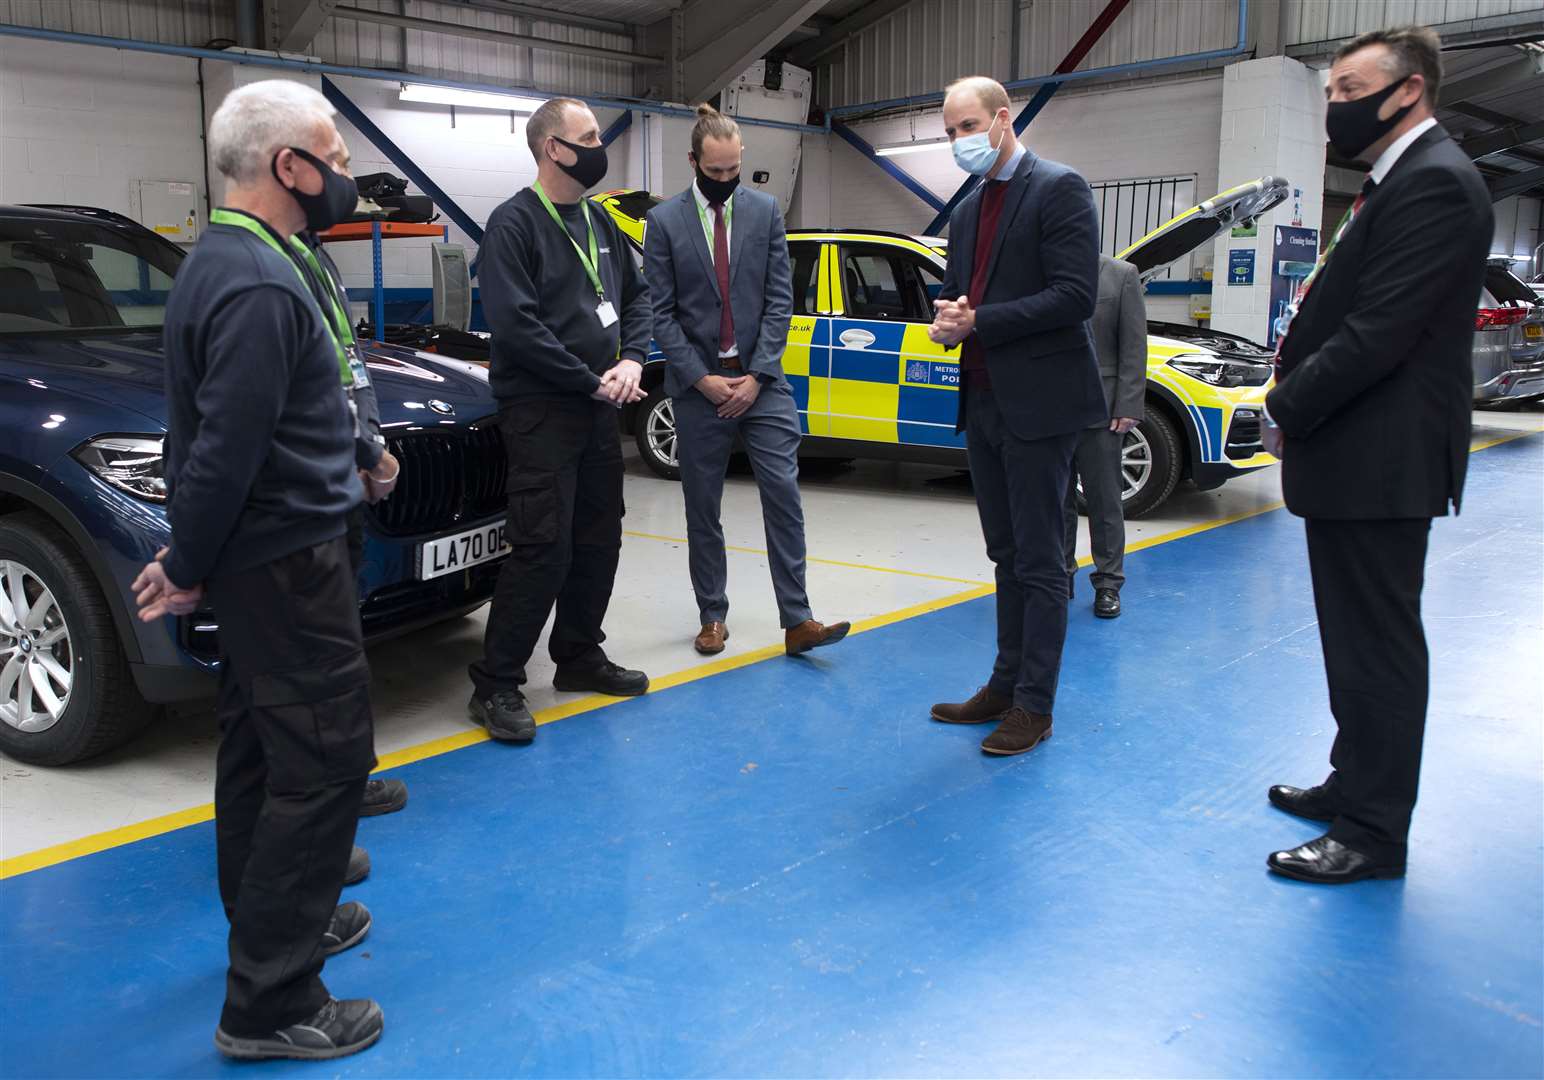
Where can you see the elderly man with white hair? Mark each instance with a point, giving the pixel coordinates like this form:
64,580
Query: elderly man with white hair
261,476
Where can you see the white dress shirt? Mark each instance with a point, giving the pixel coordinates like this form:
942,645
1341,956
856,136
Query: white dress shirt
1386,160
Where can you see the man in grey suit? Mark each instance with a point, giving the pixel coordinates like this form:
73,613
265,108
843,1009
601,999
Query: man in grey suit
724,373
1119,327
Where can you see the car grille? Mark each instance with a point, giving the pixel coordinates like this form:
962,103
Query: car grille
447,477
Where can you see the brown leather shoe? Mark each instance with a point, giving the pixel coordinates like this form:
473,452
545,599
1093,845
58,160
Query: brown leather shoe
710,642
985,708
812,635
1019,733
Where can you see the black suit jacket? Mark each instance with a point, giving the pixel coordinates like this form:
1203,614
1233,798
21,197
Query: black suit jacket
1376,383
1042,281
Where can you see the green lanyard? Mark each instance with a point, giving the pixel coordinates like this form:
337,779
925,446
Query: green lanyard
593,261
337,324
707,226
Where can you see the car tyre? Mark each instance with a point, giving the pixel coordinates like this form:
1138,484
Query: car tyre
655,433
74,651
1151,464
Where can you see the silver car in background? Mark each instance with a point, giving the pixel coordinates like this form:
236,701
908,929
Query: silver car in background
1508,340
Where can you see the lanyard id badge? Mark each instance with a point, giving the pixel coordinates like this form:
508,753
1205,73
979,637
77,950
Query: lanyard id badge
604,311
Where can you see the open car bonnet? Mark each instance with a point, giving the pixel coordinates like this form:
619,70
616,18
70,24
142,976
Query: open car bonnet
1179,236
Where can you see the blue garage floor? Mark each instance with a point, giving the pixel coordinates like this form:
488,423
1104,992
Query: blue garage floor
787,870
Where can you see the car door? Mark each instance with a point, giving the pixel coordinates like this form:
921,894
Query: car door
928,403
876,303
807,357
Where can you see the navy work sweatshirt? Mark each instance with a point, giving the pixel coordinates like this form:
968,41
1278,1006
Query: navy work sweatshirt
540,303
260,441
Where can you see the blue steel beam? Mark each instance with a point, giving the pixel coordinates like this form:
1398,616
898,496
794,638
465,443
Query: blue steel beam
382,142
619,125
286,63
904,178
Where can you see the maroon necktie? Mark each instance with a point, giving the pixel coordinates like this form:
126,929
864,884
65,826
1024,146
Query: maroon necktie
721,266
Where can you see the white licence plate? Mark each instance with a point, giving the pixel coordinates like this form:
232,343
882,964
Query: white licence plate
450,554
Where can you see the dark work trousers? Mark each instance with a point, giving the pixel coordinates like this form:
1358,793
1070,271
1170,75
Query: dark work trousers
356,541
1367,581
296,744
1021,492
1096,462
565,536
769,430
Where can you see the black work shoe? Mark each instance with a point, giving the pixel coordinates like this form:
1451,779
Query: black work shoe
1019,733
339,1029
1107,603
1315,803
350,923
606,678
504,715
383,797
358,866
1327,861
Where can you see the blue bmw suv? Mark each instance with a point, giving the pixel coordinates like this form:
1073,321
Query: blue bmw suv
82,495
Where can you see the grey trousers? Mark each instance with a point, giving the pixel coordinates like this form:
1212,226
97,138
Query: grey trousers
1097,462
770,433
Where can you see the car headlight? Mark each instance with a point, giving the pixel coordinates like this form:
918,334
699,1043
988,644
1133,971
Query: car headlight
1220,370
132,463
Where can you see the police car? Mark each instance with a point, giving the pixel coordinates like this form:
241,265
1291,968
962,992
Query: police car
869,382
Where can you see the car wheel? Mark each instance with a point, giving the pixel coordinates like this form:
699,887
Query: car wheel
66,691
1150,464
656,437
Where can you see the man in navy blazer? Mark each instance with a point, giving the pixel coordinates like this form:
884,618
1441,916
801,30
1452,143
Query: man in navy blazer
1020,286
717,242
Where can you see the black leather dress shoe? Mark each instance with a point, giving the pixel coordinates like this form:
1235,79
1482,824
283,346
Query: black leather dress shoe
1315,803
1326,861
1107,603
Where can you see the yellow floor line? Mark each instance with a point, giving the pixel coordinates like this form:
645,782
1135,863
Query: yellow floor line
811,559
144,830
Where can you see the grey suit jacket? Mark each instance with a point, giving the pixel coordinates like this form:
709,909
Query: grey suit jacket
1119,328
683,287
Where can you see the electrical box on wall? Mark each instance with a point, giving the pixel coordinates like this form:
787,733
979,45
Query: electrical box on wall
168,208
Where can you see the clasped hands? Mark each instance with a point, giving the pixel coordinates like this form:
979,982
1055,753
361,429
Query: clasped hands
732,396
620,385
953,321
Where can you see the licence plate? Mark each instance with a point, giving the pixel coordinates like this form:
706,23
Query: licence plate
1533,332
449,554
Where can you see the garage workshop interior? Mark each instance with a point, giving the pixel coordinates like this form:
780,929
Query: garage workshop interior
553,538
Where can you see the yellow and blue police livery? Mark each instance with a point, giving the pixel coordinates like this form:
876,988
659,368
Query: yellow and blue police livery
869,382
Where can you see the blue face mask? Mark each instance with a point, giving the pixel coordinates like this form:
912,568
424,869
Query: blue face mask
975,153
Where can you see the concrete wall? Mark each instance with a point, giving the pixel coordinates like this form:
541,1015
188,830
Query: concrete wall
78,124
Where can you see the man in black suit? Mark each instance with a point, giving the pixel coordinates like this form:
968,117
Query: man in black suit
1370,416
1019,289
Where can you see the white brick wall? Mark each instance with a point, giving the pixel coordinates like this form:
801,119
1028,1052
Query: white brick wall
78,123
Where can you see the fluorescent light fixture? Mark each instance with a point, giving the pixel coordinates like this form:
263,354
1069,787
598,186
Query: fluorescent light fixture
470,99
911,147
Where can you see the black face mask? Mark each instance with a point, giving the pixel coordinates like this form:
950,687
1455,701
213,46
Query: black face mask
716,191
336,201
590,165
1353,126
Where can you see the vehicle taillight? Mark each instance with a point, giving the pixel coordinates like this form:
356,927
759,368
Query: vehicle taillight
1491,318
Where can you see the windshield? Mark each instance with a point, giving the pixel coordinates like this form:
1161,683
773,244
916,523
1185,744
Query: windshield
81,277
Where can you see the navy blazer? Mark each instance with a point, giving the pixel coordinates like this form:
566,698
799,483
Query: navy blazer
683,287
1376,386
1042,282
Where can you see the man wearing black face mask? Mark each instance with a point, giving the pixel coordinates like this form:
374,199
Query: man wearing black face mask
570,319
260,469
717,264
1370,416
